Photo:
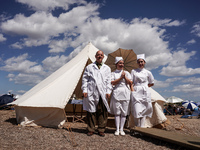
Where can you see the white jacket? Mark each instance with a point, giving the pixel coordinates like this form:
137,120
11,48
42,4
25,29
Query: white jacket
96,82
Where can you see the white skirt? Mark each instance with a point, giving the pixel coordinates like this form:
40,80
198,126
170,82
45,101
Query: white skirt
141,104
119,107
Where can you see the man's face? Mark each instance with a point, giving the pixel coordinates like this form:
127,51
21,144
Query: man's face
99,56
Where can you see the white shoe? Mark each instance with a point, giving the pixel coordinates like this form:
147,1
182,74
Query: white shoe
116,132
122,133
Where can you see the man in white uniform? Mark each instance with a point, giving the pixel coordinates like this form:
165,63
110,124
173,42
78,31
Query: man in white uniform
96,86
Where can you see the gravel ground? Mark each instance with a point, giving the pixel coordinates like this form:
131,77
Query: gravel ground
17,137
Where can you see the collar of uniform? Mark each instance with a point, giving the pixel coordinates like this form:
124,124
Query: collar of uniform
98,64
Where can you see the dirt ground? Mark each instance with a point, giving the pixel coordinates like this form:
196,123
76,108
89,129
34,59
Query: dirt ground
17,137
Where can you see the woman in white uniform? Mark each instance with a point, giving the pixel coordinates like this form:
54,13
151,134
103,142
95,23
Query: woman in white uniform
141,106
120,99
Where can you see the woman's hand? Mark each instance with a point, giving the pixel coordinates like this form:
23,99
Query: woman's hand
150,85
123,74
131,86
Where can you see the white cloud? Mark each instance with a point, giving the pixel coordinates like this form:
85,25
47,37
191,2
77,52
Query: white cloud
188,91
48,5
187,88
168,82
41,27
27,79
57,46
21,64
2,38
161,84
171,80
52,63
27,72
196,29
82,24
21,91
141,37
177,65
159,22
192,80
192,41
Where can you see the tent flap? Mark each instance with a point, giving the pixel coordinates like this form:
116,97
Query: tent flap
38,116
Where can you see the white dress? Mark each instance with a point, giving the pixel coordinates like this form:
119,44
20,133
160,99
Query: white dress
120,98
141,96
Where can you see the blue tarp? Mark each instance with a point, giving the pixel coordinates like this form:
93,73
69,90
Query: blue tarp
5,99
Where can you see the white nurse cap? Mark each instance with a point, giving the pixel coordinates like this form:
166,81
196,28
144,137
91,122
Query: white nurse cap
117,59
141,56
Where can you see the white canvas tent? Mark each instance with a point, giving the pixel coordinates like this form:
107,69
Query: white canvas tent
44,104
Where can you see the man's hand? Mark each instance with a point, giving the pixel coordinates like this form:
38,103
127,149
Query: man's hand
85,95
108,96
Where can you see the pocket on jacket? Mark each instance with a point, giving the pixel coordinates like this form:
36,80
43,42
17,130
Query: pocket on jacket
90,89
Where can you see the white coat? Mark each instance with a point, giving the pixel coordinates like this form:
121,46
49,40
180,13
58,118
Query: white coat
141,97
96,82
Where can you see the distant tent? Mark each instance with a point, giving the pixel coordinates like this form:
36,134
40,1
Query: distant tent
44,104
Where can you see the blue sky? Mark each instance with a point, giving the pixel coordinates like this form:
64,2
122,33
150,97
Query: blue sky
36,38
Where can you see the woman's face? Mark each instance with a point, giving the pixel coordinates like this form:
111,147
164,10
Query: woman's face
120,65
141,63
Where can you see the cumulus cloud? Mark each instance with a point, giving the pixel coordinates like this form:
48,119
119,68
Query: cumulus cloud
52,63
41,27
177,65
21,91
171,80
190,89
49,5
2,38
159,22
168,82
30,73
75,27
161,84
192,80
192,41
196,29
25,79
82,24
21,64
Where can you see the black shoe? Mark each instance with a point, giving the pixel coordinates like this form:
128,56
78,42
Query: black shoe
101,134
90,133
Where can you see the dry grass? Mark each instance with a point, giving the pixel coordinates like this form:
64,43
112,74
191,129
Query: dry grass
18,137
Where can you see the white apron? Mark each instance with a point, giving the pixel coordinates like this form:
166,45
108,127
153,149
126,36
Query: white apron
141,97
120,98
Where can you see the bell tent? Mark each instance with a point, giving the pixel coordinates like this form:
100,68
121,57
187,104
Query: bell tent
44,104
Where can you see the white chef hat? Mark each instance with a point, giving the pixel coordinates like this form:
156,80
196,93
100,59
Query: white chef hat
117,59
141,56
